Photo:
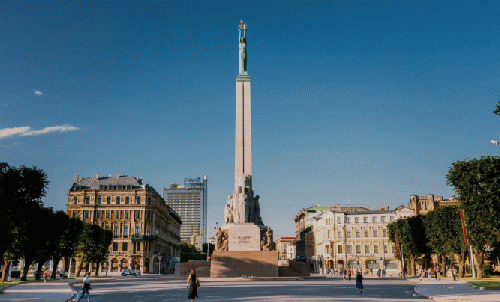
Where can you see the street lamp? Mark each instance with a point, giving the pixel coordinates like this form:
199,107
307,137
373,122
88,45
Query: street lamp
208,243
159,264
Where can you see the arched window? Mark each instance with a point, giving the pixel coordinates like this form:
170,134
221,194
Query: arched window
117,199
127,199
138,199
75,200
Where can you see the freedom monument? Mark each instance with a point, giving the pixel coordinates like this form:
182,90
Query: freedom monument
243,243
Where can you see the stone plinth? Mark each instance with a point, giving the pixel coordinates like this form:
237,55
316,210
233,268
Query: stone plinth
243,237
231,264
202,268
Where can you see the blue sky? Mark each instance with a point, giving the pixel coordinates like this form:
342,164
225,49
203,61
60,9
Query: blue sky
360,101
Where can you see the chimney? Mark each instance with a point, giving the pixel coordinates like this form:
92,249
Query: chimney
77,177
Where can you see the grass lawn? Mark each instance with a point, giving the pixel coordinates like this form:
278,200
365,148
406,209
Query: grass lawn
487,283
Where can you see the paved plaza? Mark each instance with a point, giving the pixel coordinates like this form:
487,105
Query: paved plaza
166,288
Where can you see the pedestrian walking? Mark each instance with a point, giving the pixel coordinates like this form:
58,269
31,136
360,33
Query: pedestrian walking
359,281
454,273
383,273
379,272
192,284
86,286
45,276
349,274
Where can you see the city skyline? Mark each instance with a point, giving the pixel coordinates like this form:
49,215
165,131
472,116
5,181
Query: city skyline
354,102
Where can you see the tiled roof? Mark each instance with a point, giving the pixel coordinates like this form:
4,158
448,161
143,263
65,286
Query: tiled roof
371,212
95,182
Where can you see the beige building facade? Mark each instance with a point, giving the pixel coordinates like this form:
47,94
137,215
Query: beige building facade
282,246
146,230
356,240
422,205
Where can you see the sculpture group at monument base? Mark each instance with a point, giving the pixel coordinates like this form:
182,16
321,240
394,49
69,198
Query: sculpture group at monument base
233,264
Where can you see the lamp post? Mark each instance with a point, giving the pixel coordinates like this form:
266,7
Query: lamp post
208,243
159,264
10,271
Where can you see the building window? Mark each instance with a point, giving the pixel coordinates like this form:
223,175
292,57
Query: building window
137,229
75,214
138,246
358,234
115,246
138,200
374,219
339,249
117,199
366,233
358,249
356,220
126,214
365,219
348,234
375,249
127,199
125,246
347,220
108,227
117,230
137,214
382,219
391,219
99,199
108,200
86,214
339,234
338,220
98,214
117,214
149,199
384,233
87,199
75,200
125,230
375,233
385,248
349,249
148,214
367,249
108,214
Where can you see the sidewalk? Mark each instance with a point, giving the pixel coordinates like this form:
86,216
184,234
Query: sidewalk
446,290
53,291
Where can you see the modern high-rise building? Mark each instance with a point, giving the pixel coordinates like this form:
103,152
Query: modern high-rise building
190,202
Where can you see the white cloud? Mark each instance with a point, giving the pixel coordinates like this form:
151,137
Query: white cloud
38,92
28,131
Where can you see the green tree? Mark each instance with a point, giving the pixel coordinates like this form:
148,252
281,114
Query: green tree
88,246
477,186
21,190
105,240
408,233
443,229
208,247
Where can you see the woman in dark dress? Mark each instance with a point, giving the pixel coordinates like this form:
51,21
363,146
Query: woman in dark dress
192,285
359,282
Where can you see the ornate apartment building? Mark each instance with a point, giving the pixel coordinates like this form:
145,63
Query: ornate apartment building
355,239
146,230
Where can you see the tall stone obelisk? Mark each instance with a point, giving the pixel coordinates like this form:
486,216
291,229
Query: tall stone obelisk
243,244
243,206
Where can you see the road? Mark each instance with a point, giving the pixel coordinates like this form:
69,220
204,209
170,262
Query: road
153,289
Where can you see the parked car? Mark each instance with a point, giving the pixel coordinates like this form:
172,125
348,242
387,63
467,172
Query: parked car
127,272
